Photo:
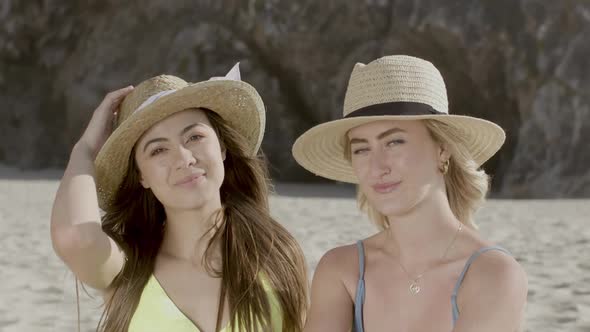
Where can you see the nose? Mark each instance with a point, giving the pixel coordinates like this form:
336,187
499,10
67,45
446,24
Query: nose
379,165
185,158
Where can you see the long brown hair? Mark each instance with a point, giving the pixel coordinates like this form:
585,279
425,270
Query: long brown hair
252,245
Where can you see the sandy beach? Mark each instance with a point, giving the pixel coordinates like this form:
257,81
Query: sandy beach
551,239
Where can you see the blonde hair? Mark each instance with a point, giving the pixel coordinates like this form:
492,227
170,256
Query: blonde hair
465,183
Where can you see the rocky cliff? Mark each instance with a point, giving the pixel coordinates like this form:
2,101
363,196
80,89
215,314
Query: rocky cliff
524,64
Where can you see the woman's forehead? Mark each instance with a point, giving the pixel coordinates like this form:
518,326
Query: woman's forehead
175,122
380,126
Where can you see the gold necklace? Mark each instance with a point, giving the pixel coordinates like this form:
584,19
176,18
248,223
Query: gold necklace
414,286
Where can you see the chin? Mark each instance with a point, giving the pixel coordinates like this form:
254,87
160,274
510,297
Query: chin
194,200
185,205
186,201
393,207
392,211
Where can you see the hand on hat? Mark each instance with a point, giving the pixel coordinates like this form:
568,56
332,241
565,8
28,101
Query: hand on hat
100,125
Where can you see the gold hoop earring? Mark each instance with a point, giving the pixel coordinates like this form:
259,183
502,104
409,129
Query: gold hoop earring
444,169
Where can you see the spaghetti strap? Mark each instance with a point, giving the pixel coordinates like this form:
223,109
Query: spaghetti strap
462,276
361,250
360,289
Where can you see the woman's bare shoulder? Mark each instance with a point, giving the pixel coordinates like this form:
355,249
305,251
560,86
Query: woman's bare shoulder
340,259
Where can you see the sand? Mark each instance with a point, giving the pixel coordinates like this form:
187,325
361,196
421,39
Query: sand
550,238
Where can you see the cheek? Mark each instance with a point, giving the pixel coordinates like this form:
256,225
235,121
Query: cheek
359,167
423,173
361,171
424,163
214,160
153,177
408,158
155,172
217,167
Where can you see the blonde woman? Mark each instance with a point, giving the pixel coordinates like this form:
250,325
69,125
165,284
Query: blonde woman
187,243
419,179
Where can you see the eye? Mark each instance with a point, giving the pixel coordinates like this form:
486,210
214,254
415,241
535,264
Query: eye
157,151
395,142
360,151
195,137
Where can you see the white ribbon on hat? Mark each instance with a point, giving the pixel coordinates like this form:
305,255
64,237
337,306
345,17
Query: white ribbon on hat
153,98
232,75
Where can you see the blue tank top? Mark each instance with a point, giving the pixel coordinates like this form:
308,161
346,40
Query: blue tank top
360,289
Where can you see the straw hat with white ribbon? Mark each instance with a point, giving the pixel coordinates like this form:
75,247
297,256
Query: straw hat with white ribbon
237,102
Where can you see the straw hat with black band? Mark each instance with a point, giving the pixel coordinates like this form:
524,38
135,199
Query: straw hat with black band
396,87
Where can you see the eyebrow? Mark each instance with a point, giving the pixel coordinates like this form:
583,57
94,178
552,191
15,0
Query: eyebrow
161,139
380,136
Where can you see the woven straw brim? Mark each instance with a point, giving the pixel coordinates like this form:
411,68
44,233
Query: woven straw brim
320,150
237,102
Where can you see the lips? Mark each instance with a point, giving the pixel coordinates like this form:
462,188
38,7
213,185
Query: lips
189,179
386,187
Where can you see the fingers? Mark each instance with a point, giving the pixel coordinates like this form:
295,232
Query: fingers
114,98
118,94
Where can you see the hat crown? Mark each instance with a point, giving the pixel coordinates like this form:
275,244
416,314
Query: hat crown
144,91
395,78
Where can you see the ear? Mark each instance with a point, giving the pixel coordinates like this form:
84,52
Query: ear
443,152
223,153
143,182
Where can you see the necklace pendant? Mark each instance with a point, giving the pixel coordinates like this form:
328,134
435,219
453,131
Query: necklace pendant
414,289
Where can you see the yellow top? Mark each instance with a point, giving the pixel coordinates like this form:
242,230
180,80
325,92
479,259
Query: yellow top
156,312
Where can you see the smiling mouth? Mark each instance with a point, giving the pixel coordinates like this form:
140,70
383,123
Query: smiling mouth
189,179
385,188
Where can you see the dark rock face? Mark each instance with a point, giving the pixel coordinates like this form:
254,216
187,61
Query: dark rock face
522,64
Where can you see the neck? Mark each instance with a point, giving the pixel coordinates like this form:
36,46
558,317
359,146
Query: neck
188,232
420,237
